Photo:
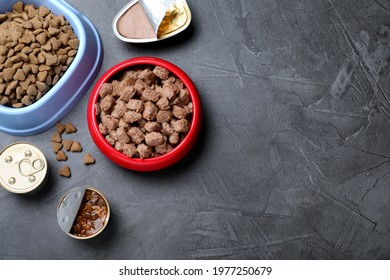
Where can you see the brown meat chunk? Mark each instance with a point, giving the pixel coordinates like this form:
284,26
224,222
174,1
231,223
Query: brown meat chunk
164,116
140,86
154,139
135,105
105,90
150,95
130,150
107,103
161,72
110,140
163,103
150,111
169,92
127,93
147,76
122,136
163,149
130,77
113,134
167,129
179,84
181,125
131,116
110,122
184,96
144,151
119,109
136,135
190,107
118,146
103,129
153,127
174,138
179,112
118,88
170,81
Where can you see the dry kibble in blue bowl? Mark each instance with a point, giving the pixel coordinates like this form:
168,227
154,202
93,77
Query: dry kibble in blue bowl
36,48
55,93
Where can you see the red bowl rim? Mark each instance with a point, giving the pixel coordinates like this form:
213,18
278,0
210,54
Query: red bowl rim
155,163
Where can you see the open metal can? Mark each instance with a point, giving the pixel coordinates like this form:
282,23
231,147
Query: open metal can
23,168
83,213
144,21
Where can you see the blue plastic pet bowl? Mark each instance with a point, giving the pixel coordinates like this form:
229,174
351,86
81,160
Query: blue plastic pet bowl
67,92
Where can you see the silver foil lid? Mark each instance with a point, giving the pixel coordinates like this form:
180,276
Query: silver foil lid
68,208
155,11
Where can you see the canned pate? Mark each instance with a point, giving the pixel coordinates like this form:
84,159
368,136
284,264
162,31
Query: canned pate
143,21
23,168
83,213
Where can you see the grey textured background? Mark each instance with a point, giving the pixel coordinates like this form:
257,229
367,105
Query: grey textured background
293,161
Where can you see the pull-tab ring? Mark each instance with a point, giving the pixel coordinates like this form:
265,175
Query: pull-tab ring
26,168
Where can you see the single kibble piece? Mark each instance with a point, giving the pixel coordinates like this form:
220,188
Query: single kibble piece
88,159
67,143
65,171
56,137
61,156
56,147
76,147
60,127
70,128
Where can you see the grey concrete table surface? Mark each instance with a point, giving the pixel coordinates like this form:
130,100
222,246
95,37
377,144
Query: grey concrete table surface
293,161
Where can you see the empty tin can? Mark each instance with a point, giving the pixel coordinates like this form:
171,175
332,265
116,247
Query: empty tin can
23,168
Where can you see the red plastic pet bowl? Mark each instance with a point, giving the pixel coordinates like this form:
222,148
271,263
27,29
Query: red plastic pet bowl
155,163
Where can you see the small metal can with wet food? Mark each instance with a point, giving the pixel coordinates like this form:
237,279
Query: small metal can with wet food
23,168
83,213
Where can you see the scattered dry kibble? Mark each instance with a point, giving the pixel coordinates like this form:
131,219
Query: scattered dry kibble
36,48
145,112
67,144
56,147
60,127
61,156
76,147
58,143
56,137
88,159
65,171
70,128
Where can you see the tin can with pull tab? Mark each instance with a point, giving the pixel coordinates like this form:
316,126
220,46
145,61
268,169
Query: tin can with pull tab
23,168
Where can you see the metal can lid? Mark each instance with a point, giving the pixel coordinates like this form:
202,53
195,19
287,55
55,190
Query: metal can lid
23,167
68,208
